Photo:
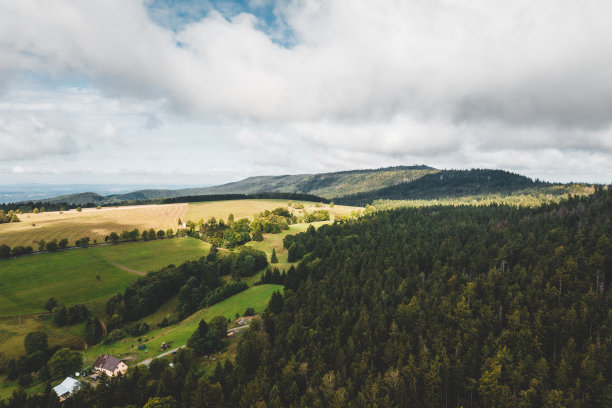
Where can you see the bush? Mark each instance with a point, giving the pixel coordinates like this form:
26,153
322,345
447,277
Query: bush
52,246
249,312
83,242
59,315
35,361
51,303
36,341
138,329
21,250
169,320
93,330
114,336
25,381
65,362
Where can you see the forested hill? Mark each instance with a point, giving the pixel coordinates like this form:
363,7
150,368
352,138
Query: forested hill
448,184
437,307
327,185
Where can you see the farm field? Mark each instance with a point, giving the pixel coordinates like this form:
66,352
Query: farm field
256,297
90,222
70,276
97,224
247,208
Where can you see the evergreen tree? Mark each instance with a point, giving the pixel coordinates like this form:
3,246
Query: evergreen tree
93,330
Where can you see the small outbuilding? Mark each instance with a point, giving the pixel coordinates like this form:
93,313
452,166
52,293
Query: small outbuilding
110,365
68,387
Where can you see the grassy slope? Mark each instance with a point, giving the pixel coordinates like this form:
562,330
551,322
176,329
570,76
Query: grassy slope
92,223
70,276
256,297
154,255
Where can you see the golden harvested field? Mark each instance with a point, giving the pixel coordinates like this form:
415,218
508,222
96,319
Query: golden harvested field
96,224
92,223
247,208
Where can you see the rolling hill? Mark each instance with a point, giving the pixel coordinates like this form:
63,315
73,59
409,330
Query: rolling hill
326,185
356,187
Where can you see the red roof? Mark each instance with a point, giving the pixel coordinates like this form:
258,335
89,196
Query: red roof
107,362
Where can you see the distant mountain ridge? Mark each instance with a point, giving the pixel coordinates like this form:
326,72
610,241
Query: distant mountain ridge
346,187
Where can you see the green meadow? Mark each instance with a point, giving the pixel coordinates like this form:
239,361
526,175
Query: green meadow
86,276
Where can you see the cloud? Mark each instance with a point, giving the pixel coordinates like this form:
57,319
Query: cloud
108,132
35,136
515,62
377,82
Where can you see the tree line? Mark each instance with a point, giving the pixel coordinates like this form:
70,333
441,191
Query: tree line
84,242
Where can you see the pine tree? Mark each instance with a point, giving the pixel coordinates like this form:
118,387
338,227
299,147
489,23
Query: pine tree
273,257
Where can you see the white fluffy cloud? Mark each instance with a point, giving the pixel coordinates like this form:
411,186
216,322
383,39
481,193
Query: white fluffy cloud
25,137
368,82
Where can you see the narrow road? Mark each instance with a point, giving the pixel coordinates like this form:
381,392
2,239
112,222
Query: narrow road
148,360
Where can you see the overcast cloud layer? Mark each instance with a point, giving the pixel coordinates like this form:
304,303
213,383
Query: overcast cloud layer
133,91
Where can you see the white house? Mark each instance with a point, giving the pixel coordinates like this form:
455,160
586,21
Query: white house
67,388
110,365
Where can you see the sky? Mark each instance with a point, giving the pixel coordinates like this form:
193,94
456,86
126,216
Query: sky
199,93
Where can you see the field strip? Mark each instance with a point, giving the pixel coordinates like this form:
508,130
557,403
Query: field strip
122,207
17,316
125,268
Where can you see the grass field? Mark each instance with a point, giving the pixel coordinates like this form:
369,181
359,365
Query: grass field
247,208
70,276
256,297
92,223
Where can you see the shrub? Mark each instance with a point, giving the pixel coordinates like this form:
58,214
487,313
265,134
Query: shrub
5,251
65,362
25,381
36,341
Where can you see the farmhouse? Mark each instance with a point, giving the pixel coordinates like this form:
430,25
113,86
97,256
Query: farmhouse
66,388
110,365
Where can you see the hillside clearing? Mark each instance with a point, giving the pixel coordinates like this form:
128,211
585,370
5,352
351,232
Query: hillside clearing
275,241
256,297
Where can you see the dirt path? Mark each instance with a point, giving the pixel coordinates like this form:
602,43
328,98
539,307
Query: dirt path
125,268
17,316
148,360
231,332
